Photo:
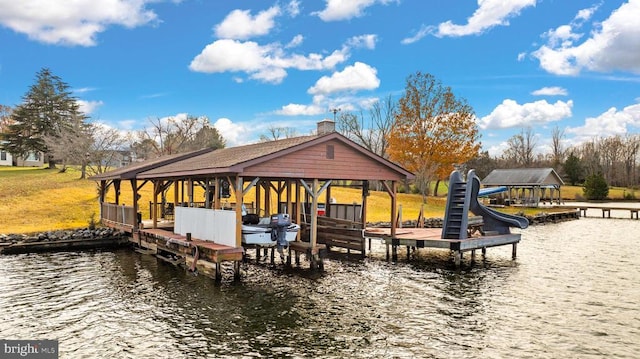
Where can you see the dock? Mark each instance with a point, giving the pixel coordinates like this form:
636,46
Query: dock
63,245
198,255
431,238
605,210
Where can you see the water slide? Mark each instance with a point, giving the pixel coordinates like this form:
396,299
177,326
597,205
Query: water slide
493,220
462,198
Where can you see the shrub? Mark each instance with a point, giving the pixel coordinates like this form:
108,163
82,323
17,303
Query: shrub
595,187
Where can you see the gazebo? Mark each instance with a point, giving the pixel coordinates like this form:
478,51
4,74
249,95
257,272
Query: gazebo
527,186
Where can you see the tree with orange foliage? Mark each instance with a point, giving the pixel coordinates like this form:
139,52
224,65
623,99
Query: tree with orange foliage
432,131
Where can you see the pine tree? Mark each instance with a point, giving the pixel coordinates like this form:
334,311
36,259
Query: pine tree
595,187
46,113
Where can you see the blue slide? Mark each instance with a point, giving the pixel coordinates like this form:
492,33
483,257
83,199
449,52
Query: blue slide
493,220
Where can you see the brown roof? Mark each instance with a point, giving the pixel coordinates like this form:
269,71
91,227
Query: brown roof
131,171
235,159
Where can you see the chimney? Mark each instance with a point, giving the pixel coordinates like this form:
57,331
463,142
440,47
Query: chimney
326,126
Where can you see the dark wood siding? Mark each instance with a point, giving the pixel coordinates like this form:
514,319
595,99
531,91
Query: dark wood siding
314,162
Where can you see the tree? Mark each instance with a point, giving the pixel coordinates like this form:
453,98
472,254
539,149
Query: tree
573,169
5,118
275,133
483,164
595,187
557,149
47,111
176,135
375,136
520,150
432,131
106,144
73,145
207,137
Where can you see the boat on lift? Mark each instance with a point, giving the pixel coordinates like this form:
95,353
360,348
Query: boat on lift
263,231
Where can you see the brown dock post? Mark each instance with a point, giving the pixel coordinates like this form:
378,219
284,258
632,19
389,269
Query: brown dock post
514,250
484,252
387,245
394,252
236,271
473,255
457,257
408,252
218,272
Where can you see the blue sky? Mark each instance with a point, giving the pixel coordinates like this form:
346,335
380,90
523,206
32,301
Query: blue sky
249,65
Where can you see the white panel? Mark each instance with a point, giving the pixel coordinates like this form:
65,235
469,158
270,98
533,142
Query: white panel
210,225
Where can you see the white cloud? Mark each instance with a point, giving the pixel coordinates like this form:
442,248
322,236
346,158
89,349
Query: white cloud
367,41
521,56
267,63
233,133
510,114
240,25
293,8
87,107
293,109
72,22
613,45
336,10
550,91
610,123
490,13
360,76
424,31
295,42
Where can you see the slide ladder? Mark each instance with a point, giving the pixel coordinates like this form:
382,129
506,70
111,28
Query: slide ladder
456,218
462,198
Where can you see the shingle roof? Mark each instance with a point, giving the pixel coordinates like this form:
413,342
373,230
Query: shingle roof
224,158
522,177
130,171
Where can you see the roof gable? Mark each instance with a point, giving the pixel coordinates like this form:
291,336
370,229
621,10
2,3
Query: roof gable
238,159
523,177
131,171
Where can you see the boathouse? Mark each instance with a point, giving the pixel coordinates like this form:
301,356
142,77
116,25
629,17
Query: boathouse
299,171
527,186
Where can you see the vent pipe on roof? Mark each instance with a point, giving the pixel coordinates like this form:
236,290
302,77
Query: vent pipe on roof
326,126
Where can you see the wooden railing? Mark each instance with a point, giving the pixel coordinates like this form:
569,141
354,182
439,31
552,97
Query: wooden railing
118,216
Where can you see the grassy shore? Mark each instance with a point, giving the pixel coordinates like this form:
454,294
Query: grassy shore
37,199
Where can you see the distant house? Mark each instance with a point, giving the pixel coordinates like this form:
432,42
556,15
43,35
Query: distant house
527,186
117,158
33,159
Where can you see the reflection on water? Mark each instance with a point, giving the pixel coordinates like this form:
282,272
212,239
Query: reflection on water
572,292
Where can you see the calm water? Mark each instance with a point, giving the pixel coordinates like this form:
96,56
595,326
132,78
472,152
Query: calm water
573,292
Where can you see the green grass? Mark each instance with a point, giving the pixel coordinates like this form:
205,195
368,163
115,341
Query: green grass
37,199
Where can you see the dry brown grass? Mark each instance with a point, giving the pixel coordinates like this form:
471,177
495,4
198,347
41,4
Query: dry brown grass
36,199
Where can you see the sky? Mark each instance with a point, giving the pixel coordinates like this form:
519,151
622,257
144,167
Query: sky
252,65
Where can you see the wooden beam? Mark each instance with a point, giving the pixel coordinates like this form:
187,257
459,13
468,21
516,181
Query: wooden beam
239,200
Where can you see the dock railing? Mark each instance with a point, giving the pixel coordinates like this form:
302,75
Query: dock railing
118,216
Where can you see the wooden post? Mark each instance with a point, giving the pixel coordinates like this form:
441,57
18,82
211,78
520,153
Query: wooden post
154,210
239,198
298,210
176,187
514,250
314,213
134,187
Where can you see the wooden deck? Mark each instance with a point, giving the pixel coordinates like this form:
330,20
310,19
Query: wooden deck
431,238
606,210
206,256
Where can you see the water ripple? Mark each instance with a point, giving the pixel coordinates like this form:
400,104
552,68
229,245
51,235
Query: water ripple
572,292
